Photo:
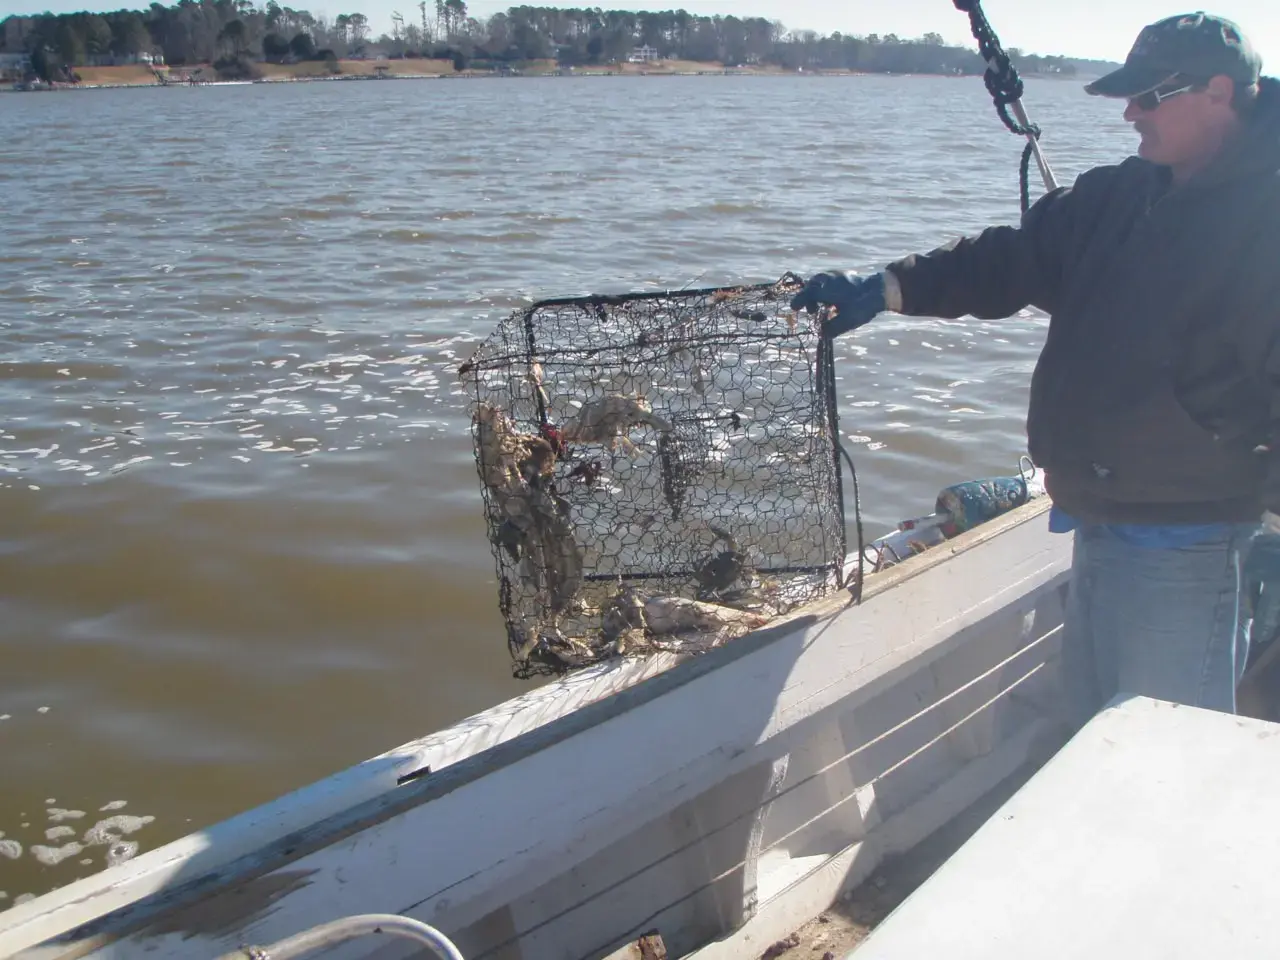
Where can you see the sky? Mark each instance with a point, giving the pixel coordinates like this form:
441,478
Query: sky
1101,29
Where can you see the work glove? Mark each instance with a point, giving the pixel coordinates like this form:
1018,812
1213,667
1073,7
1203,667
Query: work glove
1262,581
856,299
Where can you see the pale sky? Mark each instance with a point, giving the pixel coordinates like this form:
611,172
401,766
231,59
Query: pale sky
1082,28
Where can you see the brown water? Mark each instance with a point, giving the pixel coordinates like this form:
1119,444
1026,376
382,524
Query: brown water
242,544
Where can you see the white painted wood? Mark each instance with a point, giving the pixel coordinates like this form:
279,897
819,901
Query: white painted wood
687,864
540,785
207,851
1150,834
778,770
811,819
814,891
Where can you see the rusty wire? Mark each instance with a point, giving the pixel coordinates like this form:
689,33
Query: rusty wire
636,448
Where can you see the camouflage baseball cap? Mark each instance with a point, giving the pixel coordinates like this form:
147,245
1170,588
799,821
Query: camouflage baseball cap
1192,45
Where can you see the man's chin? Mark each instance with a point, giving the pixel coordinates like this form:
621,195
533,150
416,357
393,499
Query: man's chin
1148,150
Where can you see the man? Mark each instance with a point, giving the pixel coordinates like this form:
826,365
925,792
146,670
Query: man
1157,393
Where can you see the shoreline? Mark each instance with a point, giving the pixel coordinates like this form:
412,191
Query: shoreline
105,78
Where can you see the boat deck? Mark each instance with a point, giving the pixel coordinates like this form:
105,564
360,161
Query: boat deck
1155,822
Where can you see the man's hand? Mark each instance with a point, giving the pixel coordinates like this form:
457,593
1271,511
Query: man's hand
1262,580
856,299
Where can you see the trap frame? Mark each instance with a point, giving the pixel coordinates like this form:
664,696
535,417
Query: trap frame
667,444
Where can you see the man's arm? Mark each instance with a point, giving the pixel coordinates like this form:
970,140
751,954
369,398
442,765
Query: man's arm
1001,270
992,275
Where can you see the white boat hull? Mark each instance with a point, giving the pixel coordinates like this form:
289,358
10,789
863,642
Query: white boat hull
721,801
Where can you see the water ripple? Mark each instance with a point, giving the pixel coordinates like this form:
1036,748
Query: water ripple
242,544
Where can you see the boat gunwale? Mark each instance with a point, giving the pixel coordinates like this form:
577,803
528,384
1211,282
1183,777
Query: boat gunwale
641,682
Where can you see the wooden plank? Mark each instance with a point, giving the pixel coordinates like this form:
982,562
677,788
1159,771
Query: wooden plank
841,873
657,873
751,869
553,794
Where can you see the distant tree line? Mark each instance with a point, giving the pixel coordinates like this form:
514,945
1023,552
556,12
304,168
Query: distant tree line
235,33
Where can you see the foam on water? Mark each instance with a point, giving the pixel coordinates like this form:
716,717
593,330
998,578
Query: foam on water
107,836
52,856
119,852
108,831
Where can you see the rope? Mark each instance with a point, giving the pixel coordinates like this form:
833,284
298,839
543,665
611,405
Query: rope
1005,87
827,377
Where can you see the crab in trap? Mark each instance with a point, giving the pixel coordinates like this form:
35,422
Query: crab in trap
658,471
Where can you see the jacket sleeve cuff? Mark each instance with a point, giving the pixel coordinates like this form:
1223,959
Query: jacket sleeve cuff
892,292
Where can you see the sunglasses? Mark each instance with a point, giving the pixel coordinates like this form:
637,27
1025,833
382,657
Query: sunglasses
1152,99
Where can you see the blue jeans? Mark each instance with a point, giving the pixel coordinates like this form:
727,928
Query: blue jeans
1168,623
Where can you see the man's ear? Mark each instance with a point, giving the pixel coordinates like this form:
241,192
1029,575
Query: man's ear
1221,90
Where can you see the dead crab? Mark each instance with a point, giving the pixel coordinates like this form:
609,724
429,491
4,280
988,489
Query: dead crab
609,420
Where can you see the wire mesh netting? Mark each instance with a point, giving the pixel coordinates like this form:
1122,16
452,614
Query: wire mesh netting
658,470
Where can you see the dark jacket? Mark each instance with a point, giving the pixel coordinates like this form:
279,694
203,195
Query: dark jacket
1160,375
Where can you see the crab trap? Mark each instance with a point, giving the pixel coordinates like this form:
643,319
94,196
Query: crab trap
658,470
